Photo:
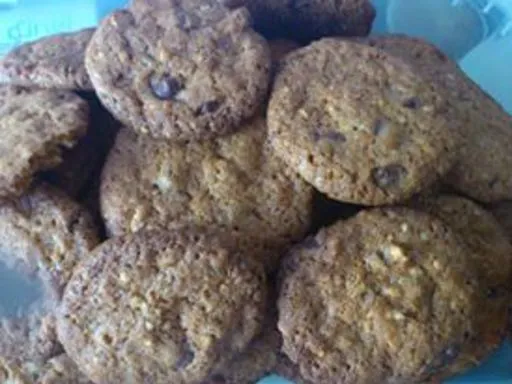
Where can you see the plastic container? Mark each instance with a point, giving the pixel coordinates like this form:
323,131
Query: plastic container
481,27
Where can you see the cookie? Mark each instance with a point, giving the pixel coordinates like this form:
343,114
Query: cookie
47,232
55,61
483,168
492,256
233,181
307,20
359,124
161,306
180,72
36,125
386,296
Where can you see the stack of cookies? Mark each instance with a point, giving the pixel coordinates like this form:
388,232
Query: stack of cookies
211,191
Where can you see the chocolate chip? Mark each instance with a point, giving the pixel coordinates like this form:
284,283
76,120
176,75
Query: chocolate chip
186,357
164,87
493,182
208,107
412,103
389,176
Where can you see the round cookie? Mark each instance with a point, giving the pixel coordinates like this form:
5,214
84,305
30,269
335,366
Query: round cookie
56,61
483,168
387,296
163,305
180,72
233,181
492,256
47,232
359,124
307,20
36,125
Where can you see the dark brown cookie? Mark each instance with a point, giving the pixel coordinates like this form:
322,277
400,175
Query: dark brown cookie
386,296
233,181
161,306
306,20
483,167
492,257
36,127
180,72
51,62
359,124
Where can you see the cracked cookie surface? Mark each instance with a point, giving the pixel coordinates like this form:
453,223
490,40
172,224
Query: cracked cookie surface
386,296
160,306
359,124
180,72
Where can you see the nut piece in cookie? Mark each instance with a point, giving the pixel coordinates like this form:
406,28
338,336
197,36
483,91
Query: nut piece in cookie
482,170
386,296
234,181
51,62
161,306
360,125
180,72
36,126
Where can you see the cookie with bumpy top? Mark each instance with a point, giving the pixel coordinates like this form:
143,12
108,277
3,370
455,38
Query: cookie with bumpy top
35,126
307,20
180,72
359,124
163,305
55,61
483,167
492,256
47,231
233,181
386,296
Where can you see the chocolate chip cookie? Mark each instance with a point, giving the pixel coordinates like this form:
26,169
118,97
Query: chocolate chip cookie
47,232
180,72
307,20
36,126
359,124
55,61
483,168
163,305
386,296
492,256
234,181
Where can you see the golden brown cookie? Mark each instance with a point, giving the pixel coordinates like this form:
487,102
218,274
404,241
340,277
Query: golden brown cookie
387,296
180,72
483,167
234,181
55,61
360,125
161,306
46,231
36,126
492,256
